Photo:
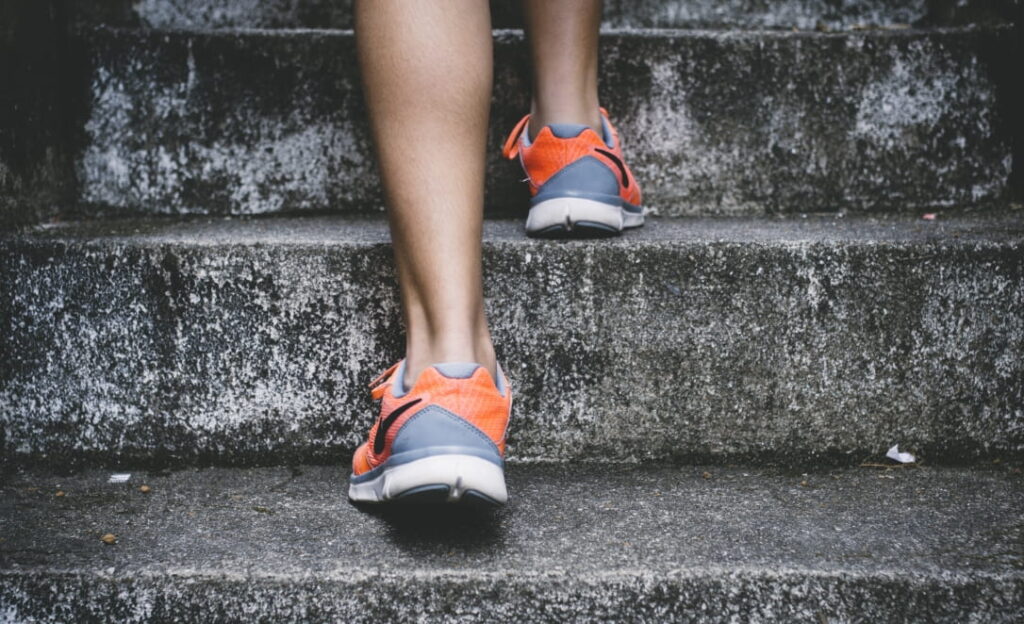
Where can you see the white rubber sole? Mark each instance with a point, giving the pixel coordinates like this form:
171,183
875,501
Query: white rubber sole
458,473
569,213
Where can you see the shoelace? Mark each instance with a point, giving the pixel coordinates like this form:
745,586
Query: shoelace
511,147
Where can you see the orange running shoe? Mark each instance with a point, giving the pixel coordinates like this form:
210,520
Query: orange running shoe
579,182
442,440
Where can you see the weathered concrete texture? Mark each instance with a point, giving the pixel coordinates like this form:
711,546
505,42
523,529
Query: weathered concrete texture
226,124
713,123
575,544
804,340
804,14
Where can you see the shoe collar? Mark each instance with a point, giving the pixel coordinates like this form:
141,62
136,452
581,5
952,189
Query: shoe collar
394,377
520,135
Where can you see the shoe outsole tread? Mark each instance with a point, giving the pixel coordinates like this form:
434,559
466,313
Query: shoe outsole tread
579,230
434,495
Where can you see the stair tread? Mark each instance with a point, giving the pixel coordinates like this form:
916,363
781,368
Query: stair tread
518,33
582,528
994,226
856,520
625,13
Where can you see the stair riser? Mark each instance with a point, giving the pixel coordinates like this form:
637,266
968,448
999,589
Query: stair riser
712,123
804,14
796,351
723,597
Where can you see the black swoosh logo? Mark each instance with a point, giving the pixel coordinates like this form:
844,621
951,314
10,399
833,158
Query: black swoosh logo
618,163
382,430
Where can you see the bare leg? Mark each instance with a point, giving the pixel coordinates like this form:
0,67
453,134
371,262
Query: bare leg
563,45
427,72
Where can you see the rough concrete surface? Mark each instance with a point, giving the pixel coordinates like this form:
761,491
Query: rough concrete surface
804,14
579,544
250,122
251,340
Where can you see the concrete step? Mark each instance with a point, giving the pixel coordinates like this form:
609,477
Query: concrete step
251,340
580,544
740,123
804,14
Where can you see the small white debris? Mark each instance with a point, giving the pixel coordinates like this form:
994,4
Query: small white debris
119,477
903,458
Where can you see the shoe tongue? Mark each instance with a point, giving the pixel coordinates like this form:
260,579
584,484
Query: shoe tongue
567,130
457,370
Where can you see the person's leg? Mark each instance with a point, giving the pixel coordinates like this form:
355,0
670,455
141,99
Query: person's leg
427,74
563,39
444,410
579,182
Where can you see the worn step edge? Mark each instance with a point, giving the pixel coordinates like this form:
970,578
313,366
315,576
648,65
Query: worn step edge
623,13
679,596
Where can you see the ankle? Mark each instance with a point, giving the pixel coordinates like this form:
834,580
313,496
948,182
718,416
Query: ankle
421,355
583,113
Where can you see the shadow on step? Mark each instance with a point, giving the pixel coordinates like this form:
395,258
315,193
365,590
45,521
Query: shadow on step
429,526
